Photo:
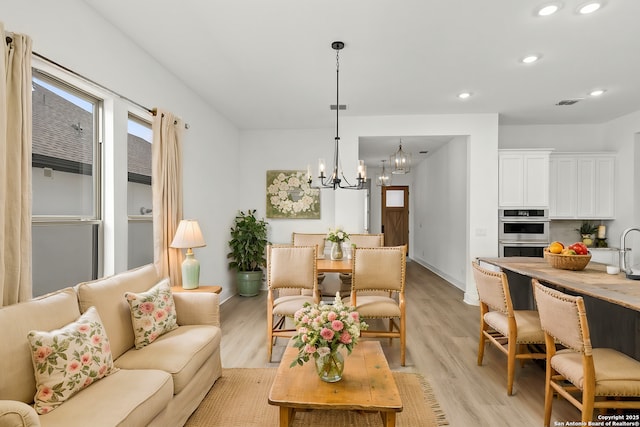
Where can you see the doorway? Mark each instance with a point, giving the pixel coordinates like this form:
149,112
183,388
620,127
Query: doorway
395,215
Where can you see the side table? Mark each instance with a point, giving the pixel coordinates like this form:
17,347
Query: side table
201,288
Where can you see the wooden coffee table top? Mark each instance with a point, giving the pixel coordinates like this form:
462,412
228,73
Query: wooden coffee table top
367,383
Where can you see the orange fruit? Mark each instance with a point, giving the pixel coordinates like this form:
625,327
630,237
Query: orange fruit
556,247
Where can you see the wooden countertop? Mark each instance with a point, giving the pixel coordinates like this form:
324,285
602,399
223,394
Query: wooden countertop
593,280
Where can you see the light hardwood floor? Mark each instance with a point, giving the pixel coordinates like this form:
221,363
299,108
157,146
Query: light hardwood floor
442,344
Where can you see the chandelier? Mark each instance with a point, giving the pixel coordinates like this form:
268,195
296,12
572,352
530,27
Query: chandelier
383,179
401,161
337,179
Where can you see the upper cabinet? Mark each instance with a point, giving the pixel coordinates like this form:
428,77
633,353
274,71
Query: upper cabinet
523,178
581,185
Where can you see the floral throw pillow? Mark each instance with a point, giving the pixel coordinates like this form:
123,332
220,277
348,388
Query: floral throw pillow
69,359
153,313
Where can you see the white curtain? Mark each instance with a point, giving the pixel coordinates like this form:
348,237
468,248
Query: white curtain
15,168
167,192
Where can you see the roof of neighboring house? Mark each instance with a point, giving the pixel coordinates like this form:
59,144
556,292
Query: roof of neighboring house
63,130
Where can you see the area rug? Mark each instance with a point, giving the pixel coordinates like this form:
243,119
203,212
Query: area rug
239,399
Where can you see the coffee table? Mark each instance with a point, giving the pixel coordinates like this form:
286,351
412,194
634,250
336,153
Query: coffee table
367,385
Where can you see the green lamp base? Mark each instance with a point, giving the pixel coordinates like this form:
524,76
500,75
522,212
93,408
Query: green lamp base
190,272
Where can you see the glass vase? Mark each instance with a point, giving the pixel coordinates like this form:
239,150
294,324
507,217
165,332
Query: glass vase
336,251
330,367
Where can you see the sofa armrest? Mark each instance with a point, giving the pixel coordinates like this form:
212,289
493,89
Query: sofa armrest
197,308
17,414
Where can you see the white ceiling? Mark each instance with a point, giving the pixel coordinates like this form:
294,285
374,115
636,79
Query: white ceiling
269,63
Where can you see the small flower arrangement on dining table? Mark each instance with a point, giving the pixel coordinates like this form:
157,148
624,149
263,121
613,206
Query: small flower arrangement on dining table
337,235
322,331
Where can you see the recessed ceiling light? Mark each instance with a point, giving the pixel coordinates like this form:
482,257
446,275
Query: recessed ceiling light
529,59
597,92
548,9
589,7
464,95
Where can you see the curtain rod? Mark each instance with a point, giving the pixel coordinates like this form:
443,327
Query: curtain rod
153,111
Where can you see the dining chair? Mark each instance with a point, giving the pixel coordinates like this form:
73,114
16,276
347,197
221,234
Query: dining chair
288,268
311,239
589,378
381,270
360,241
511,331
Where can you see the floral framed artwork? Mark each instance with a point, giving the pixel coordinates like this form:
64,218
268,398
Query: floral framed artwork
290,196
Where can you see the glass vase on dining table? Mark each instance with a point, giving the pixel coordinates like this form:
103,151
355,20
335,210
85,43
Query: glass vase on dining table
336,251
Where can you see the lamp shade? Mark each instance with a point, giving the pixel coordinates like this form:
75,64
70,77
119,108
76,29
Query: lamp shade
188,235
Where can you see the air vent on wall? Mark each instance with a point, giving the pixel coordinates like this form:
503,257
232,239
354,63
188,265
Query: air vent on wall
569,101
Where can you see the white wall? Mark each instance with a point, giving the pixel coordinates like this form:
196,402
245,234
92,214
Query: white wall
263,150
82,41
623,136
439,203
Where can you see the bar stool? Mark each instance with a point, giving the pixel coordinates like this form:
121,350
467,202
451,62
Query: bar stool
593,373
508,329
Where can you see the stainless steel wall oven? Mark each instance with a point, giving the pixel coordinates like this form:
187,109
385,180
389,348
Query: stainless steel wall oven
523,232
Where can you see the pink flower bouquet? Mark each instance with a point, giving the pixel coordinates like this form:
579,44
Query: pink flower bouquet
324,328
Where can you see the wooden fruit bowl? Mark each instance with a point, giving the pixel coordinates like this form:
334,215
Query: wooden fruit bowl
567,262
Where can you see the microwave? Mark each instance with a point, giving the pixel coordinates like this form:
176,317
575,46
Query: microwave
523,225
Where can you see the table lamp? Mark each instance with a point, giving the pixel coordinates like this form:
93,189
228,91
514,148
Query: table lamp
189,236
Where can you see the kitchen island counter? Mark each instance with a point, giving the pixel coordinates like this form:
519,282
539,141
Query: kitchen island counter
612,301
593,280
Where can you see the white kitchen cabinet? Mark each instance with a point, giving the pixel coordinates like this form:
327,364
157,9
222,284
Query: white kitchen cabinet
581,185
523,178
563,192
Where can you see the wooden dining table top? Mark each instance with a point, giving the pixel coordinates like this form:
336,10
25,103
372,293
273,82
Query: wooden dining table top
326,265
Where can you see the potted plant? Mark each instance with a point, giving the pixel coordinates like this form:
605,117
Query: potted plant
248,244
587,231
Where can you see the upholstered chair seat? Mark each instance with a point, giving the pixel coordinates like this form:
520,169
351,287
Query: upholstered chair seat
527,322
288,305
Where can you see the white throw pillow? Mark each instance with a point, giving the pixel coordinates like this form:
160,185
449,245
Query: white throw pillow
153,313
69,359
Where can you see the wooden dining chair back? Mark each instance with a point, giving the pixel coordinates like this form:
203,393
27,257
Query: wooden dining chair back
360,241
311,239
367,240
383,270
589,378
511,331
289,268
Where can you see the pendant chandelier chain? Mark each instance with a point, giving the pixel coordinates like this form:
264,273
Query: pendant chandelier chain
337,178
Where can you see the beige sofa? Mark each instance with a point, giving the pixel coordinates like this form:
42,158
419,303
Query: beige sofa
158,385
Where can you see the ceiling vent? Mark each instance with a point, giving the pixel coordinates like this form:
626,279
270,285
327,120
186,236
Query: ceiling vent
569,101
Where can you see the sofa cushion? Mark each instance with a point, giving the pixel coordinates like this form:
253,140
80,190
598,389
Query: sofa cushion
107,296
153,313
51,311
180,352
69,359
124,398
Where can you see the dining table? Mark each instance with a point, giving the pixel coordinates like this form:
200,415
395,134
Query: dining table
326,265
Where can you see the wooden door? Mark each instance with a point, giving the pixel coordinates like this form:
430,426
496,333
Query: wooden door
395,215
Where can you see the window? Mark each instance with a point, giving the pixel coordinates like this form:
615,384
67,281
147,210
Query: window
139,198
65,183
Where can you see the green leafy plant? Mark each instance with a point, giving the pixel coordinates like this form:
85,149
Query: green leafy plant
587,228
248,242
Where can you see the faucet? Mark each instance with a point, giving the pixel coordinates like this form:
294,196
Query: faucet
623,249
